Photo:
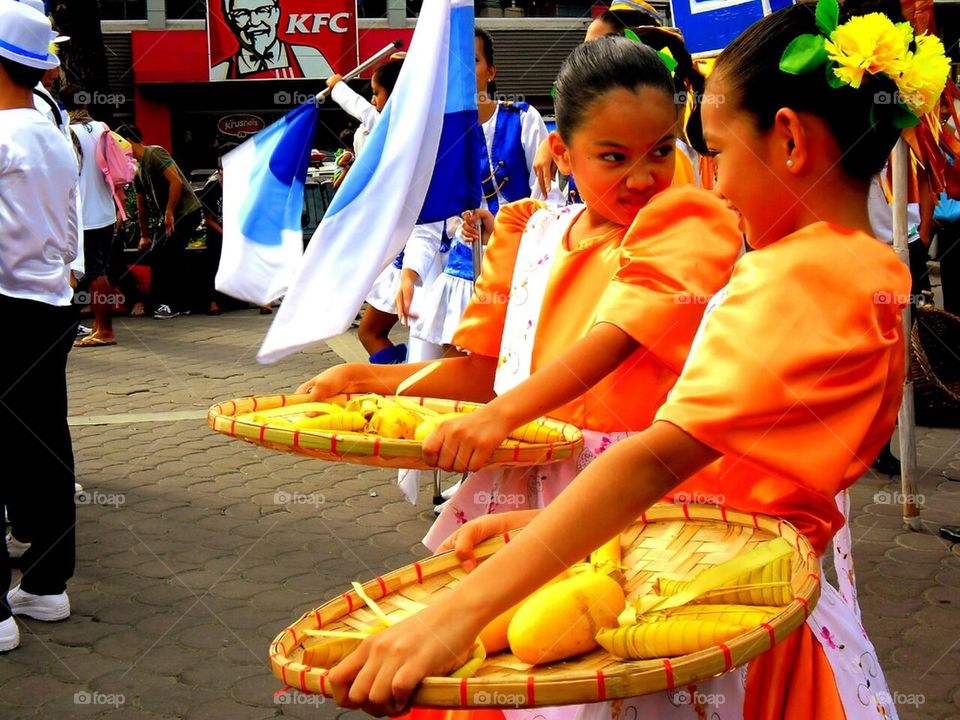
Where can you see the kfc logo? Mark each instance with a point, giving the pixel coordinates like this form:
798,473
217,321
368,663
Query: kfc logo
280,39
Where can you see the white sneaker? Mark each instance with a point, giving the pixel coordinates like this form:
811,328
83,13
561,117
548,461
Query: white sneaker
48,608
15,548
77,488
9,635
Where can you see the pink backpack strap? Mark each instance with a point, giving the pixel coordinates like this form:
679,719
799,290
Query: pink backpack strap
119,198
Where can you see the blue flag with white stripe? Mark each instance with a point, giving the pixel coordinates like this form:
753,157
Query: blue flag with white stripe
263,185
420,164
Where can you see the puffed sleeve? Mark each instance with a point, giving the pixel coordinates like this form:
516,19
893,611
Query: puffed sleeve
481,328
800,369
679,251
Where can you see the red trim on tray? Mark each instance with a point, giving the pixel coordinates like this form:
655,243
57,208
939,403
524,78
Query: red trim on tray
323,683
506,537
416,566
727,657
686,511
263,431
723,513
643,518
349,600
233,408
303,679
531,692
319,619
771,632
806,605
463,692
756,521
254,398
780,527
233,426
296,439
668,669
601,687
293,634
815,578
376,447
333,443
283,675
516,453
550,452
383,587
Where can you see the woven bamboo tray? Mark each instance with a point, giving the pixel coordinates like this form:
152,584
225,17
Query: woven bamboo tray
935,368
371,449
668,540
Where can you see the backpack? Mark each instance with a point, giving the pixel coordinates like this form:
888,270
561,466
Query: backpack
118,166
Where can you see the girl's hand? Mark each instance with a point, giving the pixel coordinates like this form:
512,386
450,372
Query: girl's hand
465,444
544,167
466,537
330,382
382,673
469,227
408,284
333,80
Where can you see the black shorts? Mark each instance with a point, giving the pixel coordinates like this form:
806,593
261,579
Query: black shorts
98,254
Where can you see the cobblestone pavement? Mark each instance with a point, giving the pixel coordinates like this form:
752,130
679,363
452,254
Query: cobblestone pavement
195,550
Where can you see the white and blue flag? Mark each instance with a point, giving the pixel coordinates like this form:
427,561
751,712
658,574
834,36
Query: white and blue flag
263,181
420,164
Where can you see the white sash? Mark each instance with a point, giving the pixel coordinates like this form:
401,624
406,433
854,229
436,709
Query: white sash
541,239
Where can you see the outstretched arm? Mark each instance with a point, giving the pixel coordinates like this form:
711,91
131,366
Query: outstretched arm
466,443
624,481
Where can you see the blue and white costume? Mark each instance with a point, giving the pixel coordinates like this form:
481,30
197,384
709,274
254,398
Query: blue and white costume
511,135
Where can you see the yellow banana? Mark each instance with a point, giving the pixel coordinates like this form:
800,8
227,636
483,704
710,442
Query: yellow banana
343,421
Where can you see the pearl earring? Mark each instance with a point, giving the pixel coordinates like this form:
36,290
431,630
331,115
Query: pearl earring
789,163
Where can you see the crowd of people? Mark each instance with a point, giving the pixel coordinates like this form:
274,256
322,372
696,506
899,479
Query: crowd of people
653,272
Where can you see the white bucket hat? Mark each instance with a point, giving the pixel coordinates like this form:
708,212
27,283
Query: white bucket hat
39,6
25,36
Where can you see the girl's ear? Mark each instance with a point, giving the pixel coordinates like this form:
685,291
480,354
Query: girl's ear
560,152
492,73
791,141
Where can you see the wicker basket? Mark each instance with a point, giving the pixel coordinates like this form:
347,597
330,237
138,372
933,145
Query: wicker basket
371,449
674,540
935,367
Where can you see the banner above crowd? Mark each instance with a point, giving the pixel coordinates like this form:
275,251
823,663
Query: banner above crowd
280,39
708,26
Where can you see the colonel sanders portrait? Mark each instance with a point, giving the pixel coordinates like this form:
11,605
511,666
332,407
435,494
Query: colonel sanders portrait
262,54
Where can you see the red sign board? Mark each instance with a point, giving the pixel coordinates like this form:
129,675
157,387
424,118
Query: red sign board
281,39
240,125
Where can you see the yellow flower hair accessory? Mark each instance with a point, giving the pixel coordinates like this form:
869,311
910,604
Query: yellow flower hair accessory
873,45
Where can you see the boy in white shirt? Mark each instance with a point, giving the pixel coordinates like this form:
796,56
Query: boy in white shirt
38,240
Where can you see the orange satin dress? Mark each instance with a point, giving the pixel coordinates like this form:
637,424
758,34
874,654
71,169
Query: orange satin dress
797,381
651,280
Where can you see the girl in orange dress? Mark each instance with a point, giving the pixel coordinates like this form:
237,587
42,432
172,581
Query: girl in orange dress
791,388
573,310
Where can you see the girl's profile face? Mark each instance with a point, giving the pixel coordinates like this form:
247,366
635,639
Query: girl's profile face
743,162
380,95
485,73
622,154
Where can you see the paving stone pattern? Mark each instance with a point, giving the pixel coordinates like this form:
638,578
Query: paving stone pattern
195,550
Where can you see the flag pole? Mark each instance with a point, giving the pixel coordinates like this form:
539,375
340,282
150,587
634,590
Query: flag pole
369,62
907,426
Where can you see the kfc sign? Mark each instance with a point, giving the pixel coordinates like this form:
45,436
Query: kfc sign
281,39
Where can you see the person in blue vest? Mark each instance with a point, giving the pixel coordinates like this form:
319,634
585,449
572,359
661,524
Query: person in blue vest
512,132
